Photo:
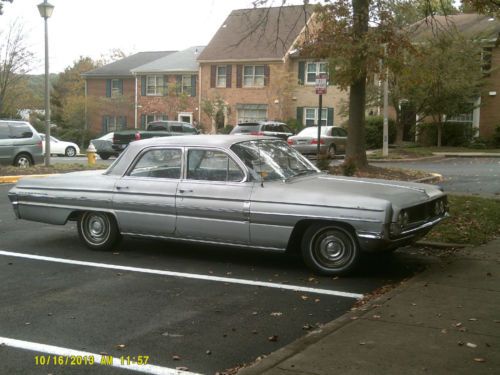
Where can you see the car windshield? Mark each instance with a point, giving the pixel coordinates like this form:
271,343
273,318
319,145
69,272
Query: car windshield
312,131
272,160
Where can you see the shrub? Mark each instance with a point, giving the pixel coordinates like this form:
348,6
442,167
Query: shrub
294,125
496,137
374,130
454,134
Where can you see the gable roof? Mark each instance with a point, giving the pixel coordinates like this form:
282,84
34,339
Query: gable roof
257,34
123,67
182,61
471,25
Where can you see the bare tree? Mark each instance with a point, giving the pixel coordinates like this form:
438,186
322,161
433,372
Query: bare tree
15,61
1,5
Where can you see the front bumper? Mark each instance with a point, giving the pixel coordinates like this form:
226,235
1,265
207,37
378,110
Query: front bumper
372,242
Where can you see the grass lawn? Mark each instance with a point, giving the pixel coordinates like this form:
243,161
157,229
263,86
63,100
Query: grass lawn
473,220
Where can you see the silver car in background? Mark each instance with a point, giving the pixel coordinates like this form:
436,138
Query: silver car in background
333,140
242,191
20,144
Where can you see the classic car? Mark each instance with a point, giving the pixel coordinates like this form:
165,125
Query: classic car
243,191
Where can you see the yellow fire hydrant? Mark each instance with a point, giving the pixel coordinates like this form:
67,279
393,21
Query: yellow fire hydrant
91,154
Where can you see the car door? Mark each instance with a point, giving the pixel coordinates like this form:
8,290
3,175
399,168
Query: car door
6,144
213,199
144,198
339,138
56,146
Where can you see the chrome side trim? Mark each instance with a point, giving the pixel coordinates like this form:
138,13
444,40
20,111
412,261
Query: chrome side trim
65,206
370,235
318,217
192,240
243,220
321,206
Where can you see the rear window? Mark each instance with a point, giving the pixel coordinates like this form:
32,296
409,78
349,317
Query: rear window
20,131
187,128
245,128
155,126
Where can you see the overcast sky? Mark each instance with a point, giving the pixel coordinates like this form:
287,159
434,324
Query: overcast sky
93,27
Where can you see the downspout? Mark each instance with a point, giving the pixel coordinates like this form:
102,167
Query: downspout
199,98
135,104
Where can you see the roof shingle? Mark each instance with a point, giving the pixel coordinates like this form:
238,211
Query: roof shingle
182,61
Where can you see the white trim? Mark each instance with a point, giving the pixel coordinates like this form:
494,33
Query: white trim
188,114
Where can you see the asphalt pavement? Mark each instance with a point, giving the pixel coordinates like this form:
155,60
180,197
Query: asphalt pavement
197,308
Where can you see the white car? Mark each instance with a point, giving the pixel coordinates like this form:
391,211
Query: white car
59,147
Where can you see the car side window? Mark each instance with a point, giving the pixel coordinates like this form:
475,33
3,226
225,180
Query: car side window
335,132
342,132
212,165
20,131
159,163
4,132
186,128
176,127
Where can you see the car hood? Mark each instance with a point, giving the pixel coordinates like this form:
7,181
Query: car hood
348,192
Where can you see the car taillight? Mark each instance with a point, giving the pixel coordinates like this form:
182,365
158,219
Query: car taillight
40,144
137,136
289,141
315,141
256,133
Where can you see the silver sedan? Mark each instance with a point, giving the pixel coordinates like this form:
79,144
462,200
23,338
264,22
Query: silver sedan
332,141
240,191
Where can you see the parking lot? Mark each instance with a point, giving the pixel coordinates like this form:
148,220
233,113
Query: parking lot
196,308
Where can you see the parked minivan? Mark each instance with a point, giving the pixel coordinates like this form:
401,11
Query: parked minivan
20,144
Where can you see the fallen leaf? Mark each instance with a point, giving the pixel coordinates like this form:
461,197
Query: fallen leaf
317,300
208,352
120,346
376,316
273,338
277,313
176,357
471,345
182,368
444,331
254,313
27,323
479,360
305,298
458,325
460,343
116,253
472,319
307,326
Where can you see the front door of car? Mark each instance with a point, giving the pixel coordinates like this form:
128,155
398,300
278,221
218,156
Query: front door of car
213,201
144,199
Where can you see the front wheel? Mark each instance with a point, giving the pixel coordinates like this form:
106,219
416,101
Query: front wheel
70,152
330,249
98,230
104,156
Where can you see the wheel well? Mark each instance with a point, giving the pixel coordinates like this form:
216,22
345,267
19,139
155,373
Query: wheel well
75,215
295,240
23,153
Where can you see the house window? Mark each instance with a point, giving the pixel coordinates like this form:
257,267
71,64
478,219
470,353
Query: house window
313,69
311,116
253,76
486,55
114,123
251,115
463,117
221,76
186,84
155,85
116,87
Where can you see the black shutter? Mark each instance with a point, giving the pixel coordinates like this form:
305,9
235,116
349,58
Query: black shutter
330,117
300,116
302,72
267,75
143,85
239,77
213,74
143,121
229,76
193,85
108,88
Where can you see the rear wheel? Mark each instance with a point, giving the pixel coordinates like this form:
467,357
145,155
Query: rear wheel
104,156
330,249
98,230
70,151
23,161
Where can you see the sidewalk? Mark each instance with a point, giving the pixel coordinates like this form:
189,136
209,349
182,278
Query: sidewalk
445,320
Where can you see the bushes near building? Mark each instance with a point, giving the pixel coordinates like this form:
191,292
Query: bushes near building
374,130
455,134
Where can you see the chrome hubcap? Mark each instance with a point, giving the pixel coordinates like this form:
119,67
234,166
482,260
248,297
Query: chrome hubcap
333,248
23,162
96,228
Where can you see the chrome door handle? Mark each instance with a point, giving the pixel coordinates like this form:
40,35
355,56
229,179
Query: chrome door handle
121,187
182,191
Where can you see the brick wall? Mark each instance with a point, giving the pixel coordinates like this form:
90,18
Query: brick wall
490,105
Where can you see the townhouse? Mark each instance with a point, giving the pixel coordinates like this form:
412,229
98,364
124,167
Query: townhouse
251,71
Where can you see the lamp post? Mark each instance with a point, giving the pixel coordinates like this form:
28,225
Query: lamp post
45,10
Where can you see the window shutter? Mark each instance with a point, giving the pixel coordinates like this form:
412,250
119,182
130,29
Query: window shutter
193,85
229,75
143,85
239,72
330,117
165,85
108,88
213,74
105,124
178,86
120,86
302,72
300,116
143,121
267,75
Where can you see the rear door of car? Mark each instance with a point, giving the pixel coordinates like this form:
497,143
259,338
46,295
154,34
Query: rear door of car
213,199
144,198
6,144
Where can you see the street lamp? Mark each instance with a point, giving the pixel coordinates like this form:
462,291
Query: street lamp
46,10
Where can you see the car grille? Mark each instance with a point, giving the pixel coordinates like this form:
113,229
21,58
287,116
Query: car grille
423,212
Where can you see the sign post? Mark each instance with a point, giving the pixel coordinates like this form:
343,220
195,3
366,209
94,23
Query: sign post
321,84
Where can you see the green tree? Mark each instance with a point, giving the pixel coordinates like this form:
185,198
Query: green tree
443,77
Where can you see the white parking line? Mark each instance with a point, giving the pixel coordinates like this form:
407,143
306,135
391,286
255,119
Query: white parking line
295,288
61,355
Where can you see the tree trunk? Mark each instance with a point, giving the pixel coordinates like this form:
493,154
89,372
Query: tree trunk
439,133
400,127
356,143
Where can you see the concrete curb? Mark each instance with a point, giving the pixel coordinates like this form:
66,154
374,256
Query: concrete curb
14,179
426,158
